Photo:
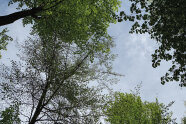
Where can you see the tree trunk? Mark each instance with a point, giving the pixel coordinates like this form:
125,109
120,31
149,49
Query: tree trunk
8,19
40,105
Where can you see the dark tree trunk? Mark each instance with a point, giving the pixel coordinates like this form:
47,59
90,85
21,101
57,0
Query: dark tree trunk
40,105
8,19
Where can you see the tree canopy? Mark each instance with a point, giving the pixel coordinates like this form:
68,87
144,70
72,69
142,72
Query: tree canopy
3,40
129,109
10,115
90,20
52,82
74,21
71,48
165,21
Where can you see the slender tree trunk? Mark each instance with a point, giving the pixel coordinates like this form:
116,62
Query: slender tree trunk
39,105
8,19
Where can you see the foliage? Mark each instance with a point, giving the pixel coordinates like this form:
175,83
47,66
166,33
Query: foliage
53,82
10,115
129,109
90,20
87,20
183,120
3,40
165,21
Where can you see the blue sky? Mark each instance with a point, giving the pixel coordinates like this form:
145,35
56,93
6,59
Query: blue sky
133,61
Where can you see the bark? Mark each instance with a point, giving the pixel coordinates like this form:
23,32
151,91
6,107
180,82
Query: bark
8,19
40,105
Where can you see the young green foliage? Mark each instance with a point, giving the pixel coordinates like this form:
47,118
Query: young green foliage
10,115
129,109
4,40
74,21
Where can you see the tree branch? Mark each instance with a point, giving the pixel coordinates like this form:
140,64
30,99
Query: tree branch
67,76
8,19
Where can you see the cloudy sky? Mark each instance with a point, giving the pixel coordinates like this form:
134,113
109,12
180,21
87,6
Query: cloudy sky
133,61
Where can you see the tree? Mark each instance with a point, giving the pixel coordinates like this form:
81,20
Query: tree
128,108
3,40
53,84
87,20
165,21
183,120
10,115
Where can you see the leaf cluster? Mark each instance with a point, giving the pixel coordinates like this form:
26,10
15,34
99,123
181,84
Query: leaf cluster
10,115
3,39
165,21
74,21
129,108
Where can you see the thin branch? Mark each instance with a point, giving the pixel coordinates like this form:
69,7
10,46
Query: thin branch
66,77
